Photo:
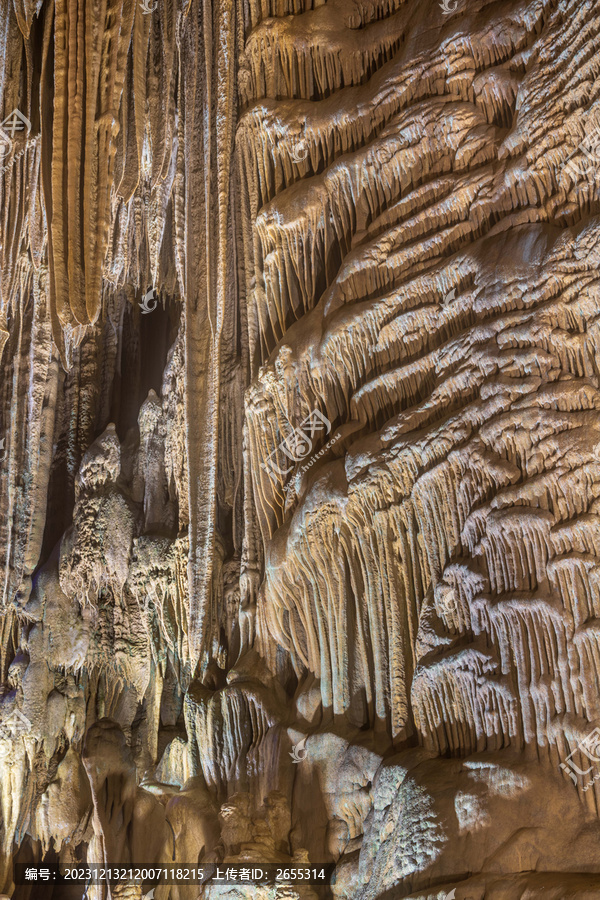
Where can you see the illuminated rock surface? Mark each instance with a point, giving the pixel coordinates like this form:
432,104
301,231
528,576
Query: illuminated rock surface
373,230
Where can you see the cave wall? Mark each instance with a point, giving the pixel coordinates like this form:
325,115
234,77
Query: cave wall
338,490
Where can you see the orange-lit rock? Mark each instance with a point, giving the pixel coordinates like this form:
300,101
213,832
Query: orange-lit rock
301,562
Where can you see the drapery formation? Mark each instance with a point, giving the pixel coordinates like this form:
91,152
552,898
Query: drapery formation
338,489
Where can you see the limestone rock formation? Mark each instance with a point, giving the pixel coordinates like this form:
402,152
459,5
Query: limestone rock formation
300,444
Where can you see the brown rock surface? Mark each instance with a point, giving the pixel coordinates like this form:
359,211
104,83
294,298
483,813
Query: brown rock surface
300,443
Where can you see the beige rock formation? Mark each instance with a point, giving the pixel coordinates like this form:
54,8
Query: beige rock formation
300,444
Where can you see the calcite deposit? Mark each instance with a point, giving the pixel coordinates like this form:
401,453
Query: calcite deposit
300,444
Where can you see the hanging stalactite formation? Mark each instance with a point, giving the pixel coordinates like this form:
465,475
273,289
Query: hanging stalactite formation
300,444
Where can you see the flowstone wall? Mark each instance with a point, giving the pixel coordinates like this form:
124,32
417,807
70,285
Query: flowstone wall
300,444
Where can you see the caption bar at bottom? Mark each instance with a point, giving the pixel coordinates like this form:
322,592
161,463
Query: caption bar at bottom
214,873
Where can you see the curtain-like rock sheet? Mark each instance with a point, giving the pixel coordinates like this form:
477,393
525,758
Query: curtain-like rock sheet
300,443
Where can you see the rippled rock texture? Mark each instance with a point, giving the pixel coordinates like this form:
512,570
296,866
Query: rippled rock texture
300,442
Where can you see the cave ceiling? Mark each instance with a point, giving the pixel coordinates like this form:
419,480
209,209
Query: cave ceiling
300,446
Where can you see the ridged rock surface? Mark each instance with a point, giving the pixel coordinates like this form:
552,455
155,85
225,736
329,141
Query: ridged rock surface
340,487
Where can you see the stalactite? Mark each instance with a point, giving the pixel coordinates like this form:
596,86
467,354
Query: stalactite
299,441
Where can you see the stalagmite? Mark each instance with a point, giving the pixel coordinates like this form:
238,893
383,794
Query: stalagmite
300,449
